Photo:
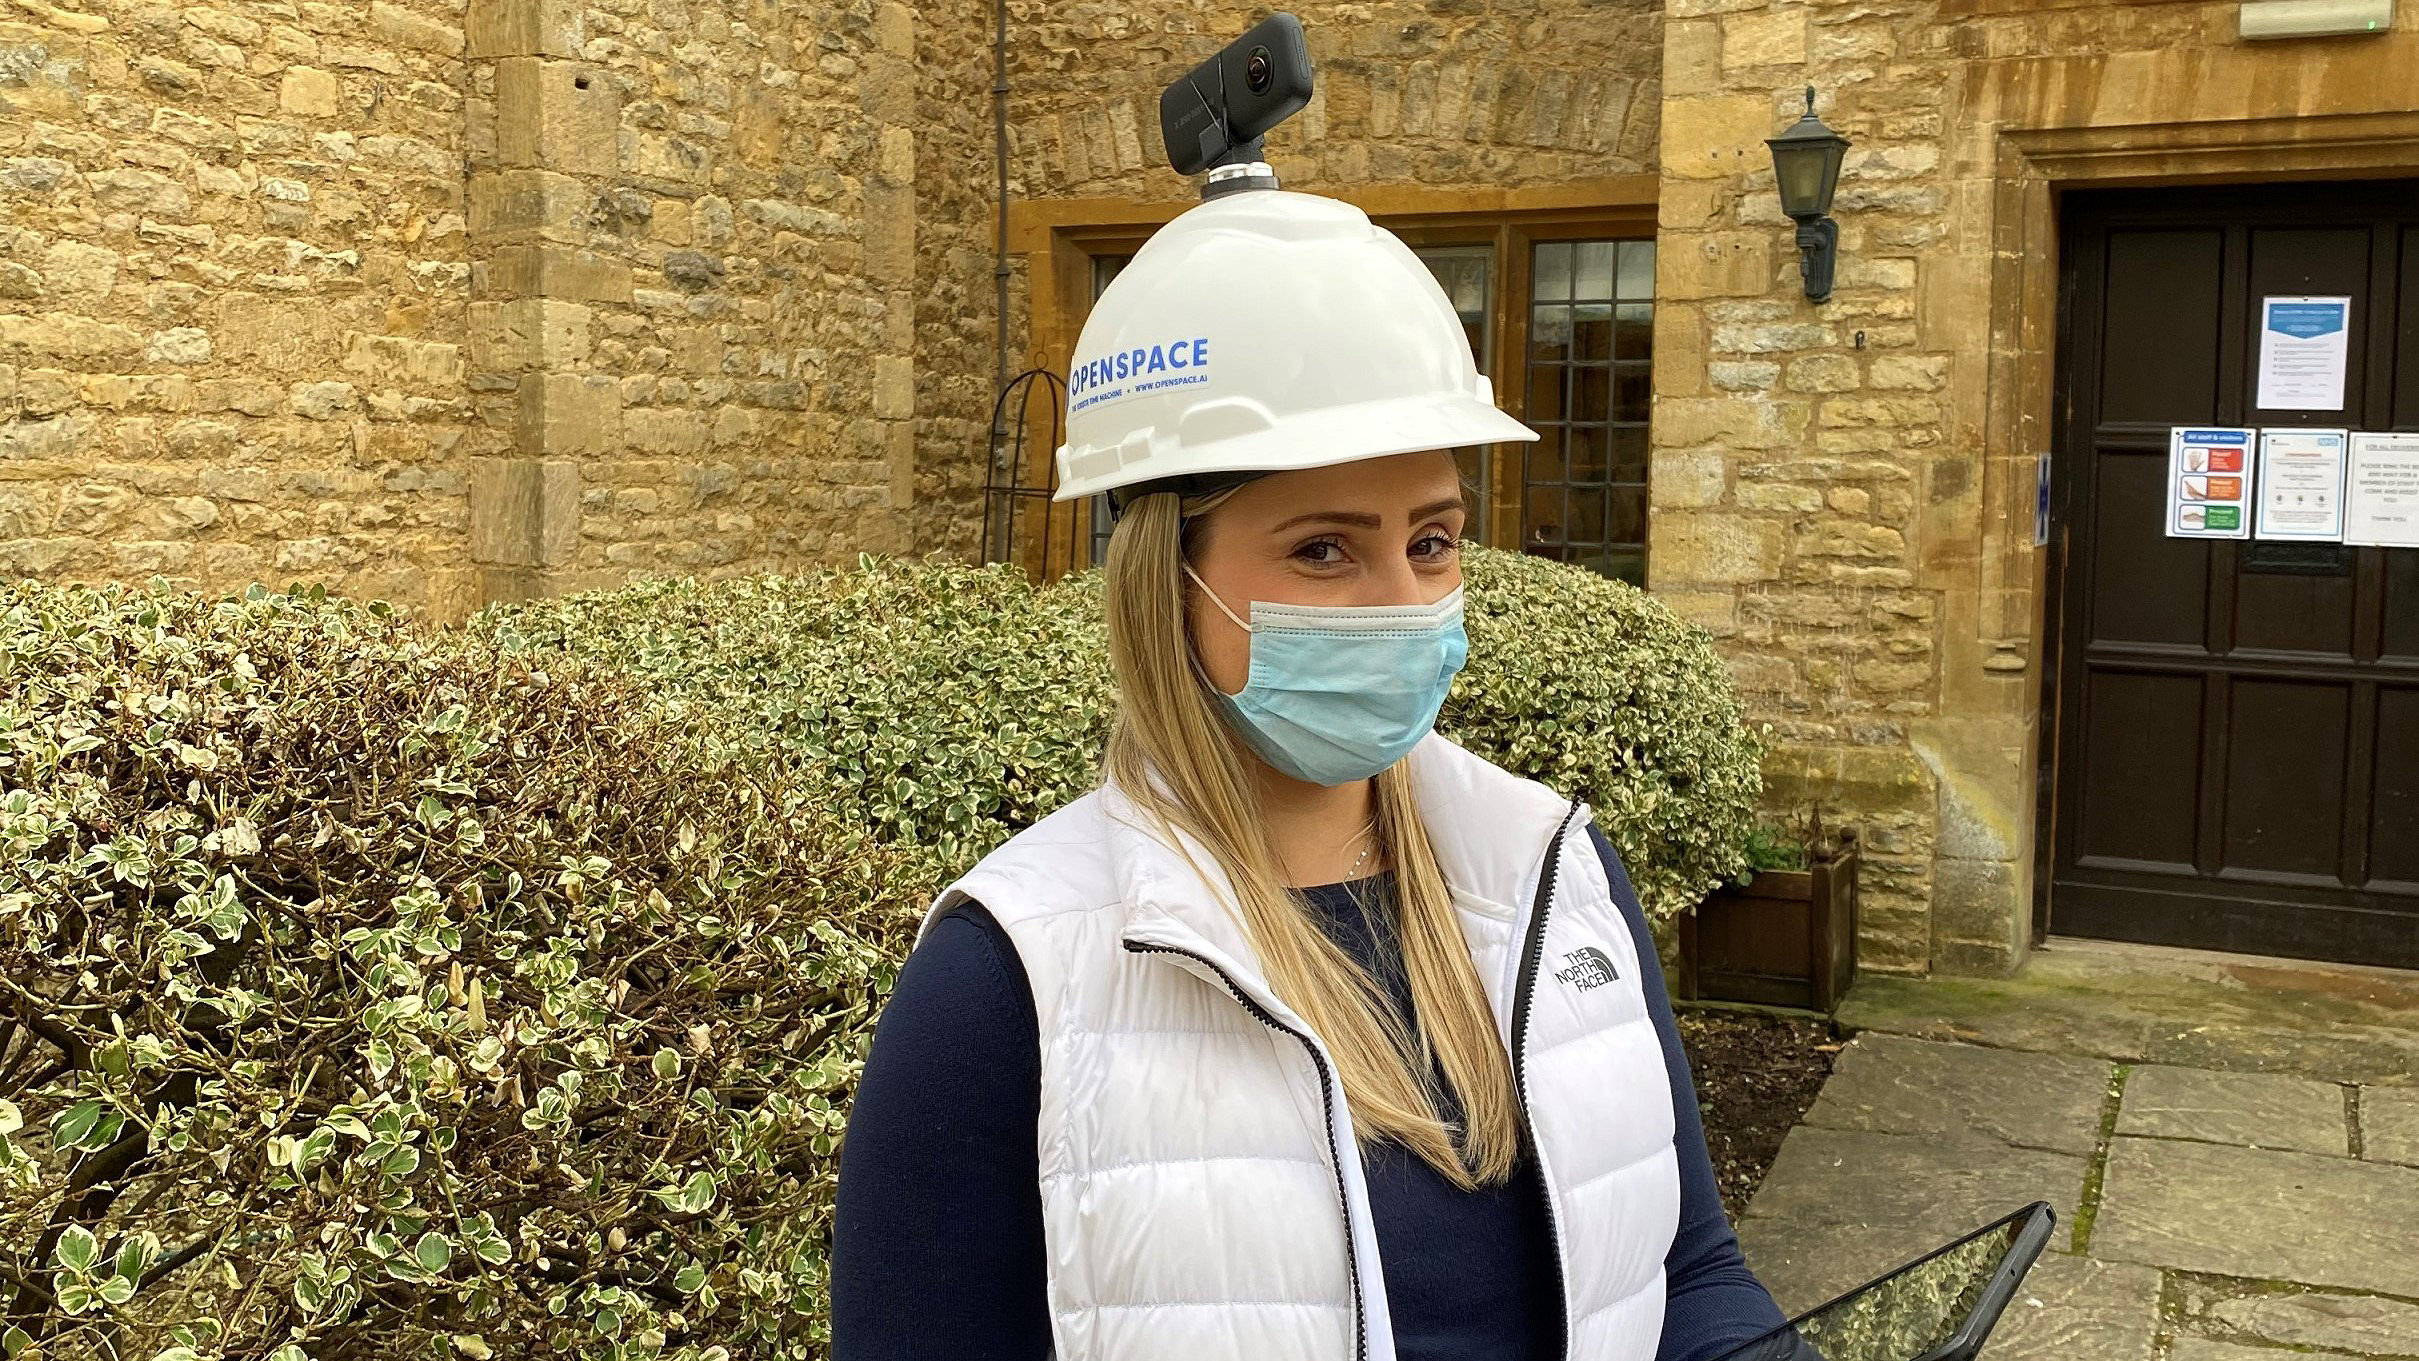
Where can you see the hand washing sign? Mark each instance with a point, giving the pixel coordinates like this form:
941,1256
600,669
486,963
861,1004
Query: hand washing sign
2305,344
2209,482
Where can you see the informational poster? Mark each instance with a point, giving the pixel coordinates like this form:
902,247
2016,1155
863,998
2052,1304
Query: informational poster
2209,482
2301,485
2305,344
2381,504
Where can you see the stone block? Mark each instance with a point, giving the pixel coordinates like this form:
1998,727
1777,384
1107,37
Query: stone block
1823,373
2256,1110
1708,548
524,512
558,272
2389,1124
1905,1086
525,28
509,207
57,336
2261,1214
894,387
895,28
567,414
1717,136
308,92
179,345
1777,38
890,233
556,115
531,333
400,27
2366,1325
2069,1308
403,361
1715,265
2193,1347
1681,481
1930,1188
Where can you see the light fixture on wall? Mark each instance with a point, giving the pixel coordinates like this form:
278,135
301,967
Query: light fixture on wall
1805,168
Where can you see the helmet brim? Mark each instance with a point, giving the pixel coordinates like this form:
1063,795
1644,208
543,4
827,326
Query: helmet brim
1332,435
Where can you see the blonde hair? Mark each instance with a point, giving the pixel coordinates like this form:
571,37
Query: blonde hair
1168,723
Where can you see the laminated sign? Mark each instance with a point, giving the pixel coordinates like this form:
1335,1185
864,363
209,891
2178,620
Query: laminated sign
2209,471
2301,484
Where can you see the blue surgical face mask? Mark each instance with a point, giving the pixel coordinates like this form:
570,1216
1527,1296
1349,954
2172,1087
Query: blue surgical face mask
1340,692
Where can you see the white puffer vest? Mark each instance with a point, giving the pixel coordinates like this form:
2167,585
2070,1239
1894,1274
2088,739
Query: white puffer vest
1194,1203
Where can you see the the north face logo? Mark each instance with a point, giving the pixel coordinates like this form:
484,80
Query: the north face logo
1587,968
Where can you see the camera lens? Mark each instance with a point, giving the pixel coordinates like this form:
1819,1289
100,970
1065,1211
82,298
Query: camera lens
1258,71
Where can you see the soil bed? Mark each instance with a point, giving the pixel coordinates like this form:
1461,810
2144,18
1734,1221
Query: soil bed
1756,1073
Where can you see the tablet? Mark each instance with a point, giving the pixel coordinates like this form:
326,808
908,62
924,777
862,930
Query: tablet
1939,1307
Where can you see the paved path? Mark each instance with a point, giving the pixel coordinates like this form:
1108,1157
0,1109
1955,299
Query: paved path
2224,1209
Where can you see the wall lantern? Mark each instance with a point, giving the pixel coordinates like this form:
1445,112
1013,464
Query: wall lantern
1805,168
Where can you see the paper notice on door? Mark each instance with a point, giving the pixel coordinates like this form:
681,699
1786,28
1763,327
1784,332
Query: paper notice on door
2301,485
2381,502
2209,471
2305,345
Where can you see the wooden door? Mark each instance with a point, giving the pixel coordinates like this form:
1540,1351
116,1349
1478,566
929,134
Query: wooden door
2235,724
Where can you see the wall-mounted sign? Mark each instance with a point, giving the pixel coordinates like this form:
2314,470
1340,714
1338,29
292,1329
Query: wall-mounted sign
2382,495
2301,485
2209,482
2305,344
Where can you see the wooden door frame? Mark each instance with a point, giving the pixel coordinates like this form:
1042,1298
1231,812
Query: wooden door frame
1057,239
2034,168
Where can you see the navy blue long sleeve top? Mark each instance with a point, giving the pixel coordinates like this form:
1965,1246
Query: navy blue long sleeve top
937,1241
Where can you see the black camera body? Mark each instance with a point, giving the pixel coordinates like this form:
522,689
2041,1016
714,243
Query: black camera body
1221,111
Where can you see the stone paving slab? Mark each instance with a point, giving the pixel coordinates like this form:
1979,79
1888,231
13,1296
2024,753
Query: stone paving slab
2259,1214
1906,1086
2255,1110
2189,1348
1804,1263
2075,1309
2389,1125
2151,1004
2364,1324
1932,1187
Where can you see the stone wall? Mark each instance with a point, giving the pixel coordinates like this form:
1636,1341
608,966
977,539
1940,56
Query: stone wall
448,302
1844,491
694,233
234,281
1446,95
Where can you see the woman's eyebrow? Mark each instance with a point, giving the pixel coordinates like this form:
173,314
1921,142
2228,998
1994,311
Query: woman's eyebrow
1364,520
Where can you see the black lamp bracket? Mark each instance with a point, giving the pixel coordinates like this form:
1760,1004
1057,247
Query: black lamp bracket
1817,250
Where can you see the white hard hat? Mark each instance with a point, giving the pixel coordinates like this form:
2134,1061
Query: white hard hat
1264,330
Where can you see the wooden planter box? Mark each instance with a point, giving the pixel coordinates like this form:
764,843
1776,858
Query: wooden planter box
1786,940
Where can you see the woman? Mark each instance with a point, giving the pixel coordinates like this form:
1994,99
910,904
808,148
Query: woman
1308,1034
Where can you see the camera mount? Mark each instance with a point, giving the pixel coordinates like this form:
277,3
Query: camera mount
1216,117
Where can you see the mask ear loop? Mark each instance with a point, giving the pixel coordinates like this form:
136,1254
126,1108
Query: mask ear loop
1213,595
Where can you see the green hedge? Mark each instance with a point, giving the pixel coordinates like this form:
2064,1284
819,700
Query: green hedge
367,989
364,992
950,706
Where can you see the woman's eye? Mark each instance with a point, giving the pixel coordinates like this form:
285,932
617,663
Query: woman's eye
1321,551
1435,546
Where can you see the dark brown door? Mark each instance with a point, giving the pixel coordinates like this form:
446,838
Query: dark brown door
2236,723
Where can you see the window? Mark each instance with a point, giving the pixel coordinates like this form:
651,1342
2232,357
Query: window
1590,386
